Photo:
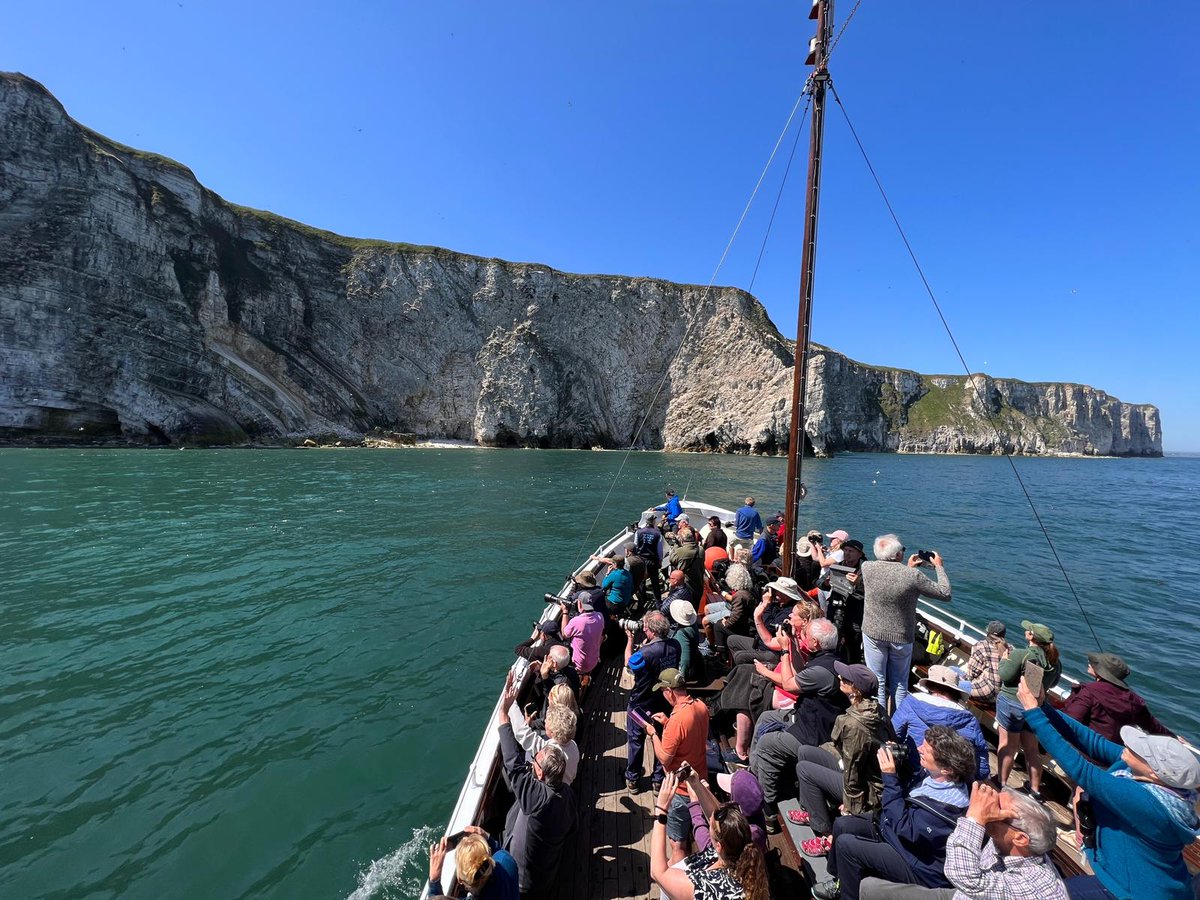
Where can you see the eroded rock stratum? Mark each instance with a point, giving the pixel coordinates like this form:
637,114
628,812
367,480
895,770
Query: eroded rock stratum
136,304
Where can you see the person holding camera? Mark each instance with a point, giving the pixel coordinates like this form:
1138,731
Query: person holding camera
544,810
908,843
1143,800
646,664
584,630
683,741
891,588
481,866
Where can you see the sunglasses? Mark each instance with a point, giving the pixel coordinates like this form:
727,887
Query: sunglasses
721,813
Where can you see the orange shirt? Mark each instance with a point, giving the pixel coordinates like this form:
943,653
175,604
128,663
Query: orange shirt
685,737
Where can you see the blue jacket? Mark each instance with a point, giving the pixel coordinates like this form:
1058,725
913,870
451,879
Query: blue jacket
918,830
916,714
746,522
619,586
672,508
1139,846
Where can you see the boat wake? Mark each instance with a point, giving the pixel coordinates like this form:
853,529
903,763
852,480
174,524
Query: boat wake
402,873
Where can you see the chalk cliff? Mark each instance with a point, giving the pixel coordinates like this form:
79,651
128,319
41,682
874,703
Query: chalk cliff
136,304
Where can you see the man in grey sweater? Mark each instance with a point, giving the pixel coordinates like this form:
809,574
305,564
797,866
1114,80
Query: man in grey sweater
890,613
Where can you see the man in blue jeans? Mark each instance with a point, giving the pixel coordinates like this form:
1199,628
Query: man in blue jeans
646,664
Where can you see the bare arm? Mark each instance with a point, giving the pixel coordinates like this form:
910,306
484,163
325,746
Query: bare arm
674,882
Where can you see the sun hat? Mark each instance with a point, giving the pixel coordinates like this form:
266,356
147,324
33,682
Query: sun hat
1042,632
585,579
1171,761
942,676
786,586
1110,667
670,678
859,676
683,612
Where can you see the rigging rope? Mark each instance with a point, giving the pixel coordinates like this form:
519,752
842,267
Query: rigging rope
978,390
838,37
692,321
779,195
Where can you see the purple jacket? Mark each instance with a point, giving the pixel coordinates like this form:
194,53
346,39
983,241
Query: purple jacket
1106,708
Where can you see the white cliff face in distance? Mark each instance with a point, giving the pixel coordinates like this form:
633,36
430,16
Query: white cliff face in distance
137,305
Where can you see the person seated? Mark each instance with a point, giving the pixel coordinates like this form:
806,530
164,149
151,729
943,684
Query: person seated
743,789
684,739
773,609
617,586
908,844
584,630
1011,730
779,734
1107,704
481,866
982,674
677,589
844,772
584,586
558,728
714,535
845,601
685,633
738,596
997,851
1143,798
805,568
941,706
672,507
765,552
689,559
747,692
555,669
544,810
731,868
546,634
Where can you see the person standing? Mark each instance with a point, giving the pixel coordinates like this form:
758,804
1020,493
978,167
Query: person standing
684,739
672,507
648,545
891,589
747,523
1011,729
646,664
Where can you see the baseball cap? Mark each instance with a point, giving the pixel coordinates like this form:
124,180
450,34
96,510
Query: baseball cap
670,678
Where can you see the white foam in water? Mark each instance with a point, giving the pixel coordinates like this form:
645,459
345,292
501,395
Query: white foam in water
404,870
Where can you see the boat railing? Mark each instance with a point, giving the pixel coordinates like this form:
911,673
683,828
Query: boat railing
479,771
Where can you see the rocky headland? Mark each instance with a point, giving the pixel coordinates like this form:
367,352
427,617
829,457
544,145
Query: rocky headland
138,306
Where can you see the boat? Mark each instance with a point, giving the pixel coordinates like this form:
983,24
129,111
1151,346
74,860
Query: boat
608,856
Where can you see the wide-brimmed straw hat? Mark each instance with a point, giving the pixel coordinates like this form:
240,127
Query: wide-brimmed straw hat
942,676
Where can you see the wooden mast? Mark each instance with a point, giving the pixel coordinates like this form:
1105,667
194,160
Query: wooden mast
822,11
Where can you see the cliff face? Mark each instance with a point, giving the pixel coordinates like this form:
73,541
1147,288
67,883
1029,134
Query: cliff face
136,304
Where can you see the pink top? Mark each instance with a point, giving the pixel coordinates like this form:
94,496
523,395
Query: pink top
585,632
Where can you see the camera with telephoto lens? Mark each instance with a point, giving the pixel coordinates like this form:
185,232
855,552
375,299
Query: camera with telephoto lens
629,624
926,555
554,598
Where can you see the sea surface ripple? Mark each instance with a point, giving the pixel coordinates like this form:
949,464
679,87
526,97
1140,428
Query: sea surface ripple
248,673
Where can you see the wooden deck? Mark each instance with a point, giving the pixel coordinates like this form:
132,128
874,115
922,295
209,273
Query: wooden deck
609,855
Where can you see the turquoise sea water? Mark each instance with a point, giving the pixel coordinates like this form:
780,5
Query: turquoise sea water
263,673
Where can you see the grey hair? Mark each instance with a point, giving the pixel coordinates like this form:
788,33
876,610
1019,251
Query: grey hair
554,764
657,624
741,555
824,632
1034,820
560,656
888,547
560,724
738,577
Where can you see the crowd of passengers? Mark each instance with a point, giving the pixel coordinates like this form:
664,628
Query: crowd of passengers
896,787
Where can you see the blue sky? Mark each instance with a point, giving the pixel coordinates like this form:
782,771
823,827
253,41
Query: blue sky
1042,156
